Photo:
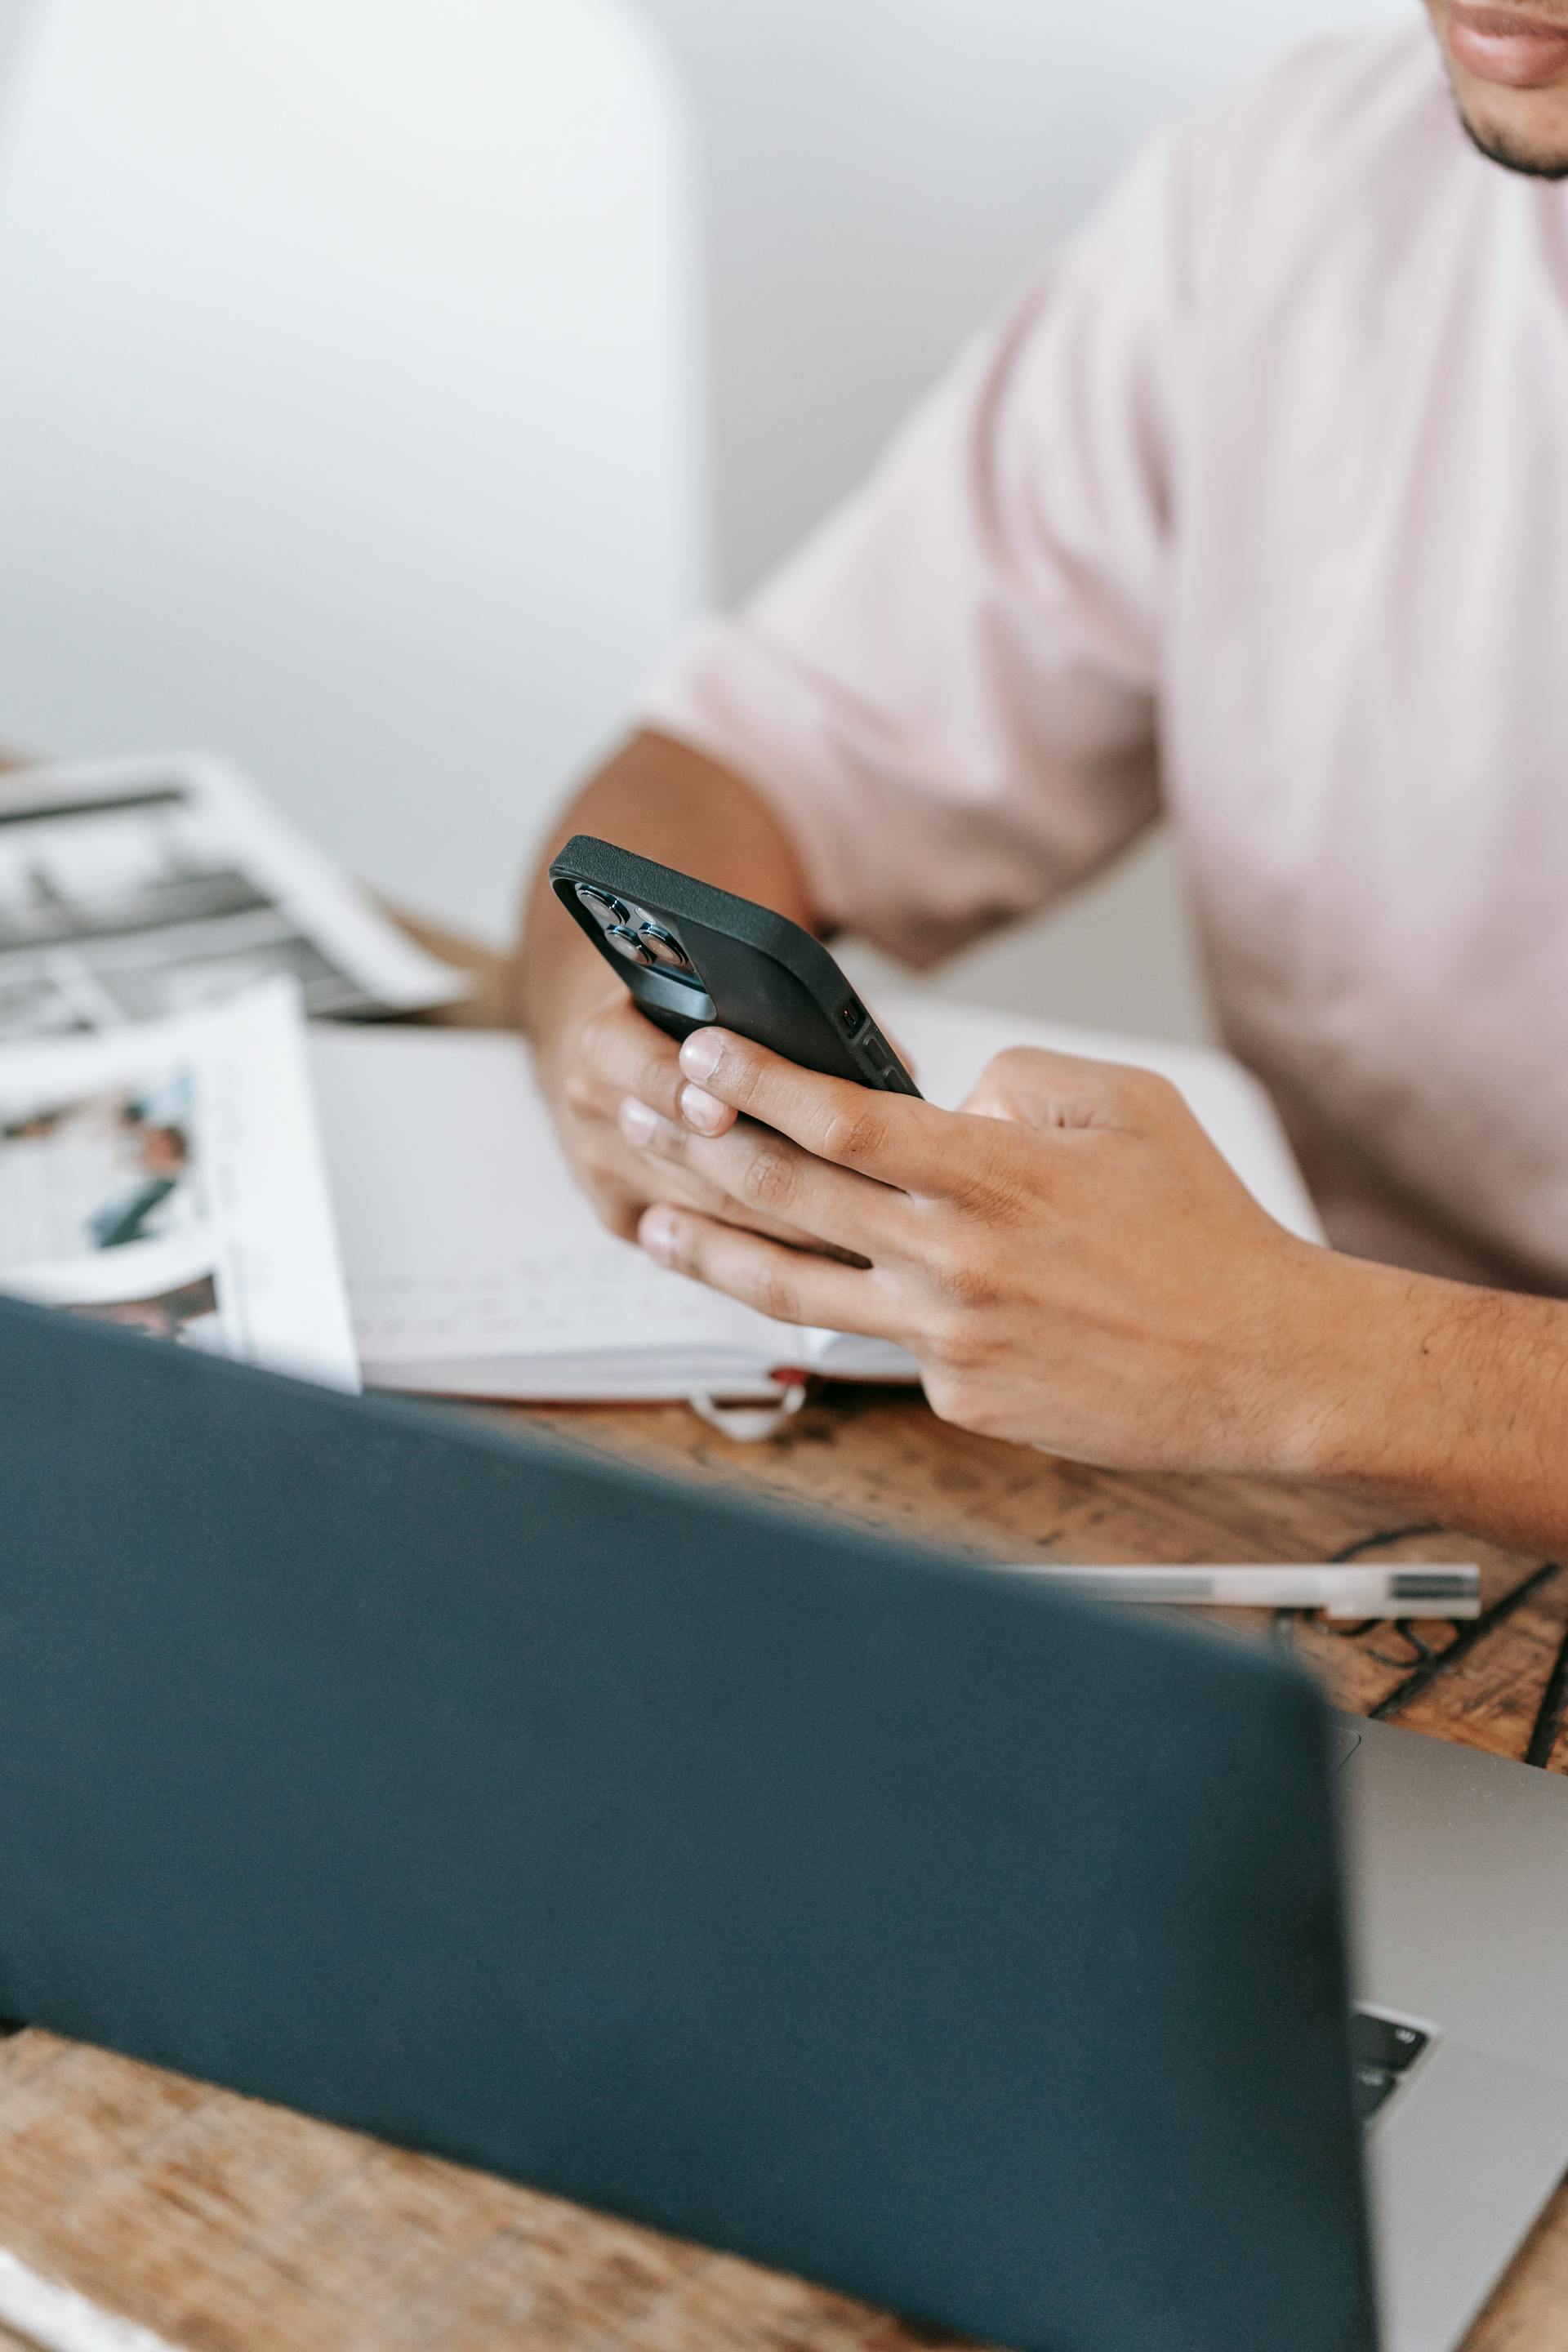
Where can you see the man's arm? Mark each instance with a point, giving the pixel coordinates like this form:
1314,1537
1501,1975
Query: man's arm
947,696
592,1047
1076,1268
1451,1399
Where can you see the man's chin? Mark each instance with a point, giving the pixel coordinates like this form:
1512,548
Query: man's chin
1500,144
1523,131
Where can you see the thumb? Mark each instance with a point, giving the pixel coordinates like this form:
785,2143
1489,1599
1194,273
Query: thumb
1035,1088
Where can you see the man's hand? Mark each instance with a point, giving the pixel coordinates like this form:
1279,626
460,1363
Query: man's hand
593,1049
1075,1266
586,1076
1069,1259
613,1059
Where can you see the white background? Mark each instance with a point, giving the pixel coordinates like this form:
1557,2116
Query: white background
879,174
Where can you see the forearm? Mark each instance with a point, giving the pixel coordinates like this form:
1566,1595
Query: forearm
669,802
1453,1401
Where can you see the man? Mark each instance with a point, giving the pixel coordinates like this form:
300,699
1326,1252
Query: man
1256,512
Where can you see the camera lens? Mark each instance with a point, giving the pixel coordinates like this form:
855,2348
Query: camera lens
627,942
603,905
664,948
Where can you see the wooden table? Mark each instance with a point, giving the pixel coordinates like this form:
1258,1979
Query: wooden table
225,2226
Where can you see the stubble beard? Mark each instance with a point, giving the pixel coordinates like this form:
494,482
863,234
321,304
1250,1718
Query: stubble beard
1499,147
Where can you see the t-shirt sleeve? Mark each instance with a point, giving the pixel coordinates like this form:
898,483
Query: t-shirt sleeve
947,695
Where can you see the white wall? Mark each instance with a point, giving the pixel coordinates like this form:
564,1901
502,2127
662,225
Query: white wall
399,488
11,13
879,174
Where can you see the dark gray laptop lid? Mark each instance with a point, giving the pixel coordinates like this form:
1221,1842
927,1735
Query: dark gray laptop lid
886,1919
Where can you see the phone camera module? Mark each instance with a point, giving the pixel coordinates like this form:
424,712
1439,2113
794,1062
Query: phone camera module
620,924
637,935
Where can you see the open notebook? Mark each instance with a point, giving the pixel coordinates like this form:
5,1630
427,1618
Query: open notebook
475,1268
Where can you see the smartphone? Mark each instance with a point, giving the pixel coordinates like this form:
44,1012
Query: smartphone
694,956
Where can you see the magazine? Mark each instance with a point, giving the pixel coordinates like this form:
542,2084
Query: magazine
169,1177
147,886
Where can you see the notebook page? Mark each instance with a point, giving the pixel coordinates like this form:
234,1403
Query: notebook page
464,1236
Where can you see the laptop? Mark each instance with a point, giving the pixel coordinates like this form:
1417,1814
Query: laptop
874,1915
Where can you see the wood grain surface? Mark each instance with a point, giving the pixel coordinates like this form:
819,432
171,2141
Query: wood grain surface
227,2226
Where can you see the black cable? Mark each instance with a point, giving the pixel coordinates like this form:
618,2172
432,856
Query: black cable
1421,1649
1553,1707
1462,1644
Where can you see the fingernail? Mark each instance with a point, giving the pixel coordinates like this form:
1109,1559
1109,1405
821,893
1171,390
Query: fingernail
699,1054
657,1233
638,1124
701,1111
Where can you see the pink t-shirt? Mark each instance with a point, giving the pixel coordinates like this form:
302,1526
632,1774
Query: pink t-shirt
1254,511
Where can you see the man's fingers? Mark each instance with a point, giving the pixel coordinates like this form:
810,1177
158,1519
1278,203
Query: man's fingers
620,1053
893,1137
641,1176
671,1168
790,1286
780,1186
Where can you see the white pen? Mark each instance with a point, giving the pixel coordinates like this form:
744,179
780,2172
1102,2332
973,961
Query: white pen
1438,1590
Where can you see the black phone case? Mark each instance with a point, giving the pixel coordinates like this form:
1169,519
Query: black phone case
714,959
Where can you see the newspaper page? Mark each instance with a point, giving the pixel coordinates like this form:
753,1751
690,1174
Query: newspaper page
169,1177
143,887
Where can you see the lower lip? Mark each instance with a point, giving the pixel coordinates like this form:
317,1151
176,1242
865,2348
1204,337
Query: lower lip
1522,58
